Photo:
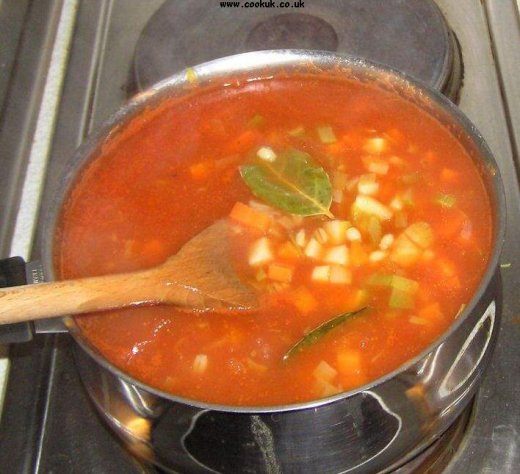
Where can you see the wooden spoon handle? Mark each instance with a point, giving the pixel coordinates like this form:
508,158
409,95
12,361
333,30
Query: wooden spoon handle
26,303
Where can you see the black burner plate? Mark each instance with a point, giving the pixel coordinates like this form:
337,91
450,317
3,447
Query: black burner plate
411,36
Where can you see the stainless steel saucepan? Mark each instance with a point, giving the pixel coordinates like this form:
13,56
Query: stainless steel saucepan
375,428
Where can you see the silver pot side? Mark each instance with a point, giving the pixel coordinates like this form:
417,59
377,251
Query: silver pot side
372,430
369,430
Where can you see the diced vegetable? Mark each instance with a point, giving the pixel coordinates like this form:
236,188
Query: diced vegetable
313,249
243,142
321,235
280,272
260,252
418,321
420,233
324,371
449,175
446,200
371,206
255,366
340,275
298,131
353,234
326,389
202,170
374,230
200,363
250,217
400,299
368,185
404,251
337,230
375,145
348,362
358,255
339,180
289,251
431,312
375,164
326,134
300,238
337,196
303,300
256,121
266,153
386,241
337,254
377,256
321,273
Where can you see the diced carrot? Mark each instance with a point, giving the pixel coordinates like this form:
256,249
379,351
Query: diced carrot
243,142
280,272
351,373
250,217
358,255
335,148
431,312
289,251
449,176
303,300
202,170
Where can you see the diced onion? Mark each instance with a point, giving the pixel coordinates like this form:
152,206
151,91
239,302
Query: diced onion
340,275
321,273
337,254
369,205
266,153
313,249
200,363
324,371
353,234
260,252
386,241
300,238
336,229
375,145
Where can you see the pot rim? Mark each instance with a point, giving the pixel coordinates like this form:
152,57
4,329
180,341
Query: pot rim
275,61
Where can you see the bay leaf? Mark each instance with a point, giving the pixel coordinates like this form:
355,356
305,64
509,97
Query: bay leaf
317,333
293,183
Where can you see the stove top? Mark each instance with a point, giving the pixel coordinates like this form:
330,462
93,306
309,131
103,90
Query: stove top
48,425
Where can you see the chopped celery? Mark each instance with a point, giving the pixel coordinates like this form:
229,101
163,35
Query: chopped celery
411,178
326,134
446,200
297,131
394,281
400,299
256,121
404,284
374,230
378,279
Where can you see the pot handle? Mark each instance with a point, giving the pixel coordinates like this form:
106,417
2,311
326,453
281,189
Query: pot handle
13,273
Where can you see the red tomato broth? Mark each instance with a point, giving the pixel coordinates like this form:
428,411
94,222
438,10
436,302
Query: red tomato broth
168,175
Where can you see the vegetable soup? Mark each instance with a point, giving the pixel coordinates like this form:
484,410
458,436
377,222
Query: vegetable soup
361,221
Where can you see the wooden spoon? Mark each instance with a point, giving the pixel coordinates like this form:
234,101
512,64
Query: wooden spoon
199,276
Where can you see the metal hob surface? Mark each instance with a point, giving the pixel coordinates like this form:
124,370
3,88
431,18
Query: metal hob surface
48,424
